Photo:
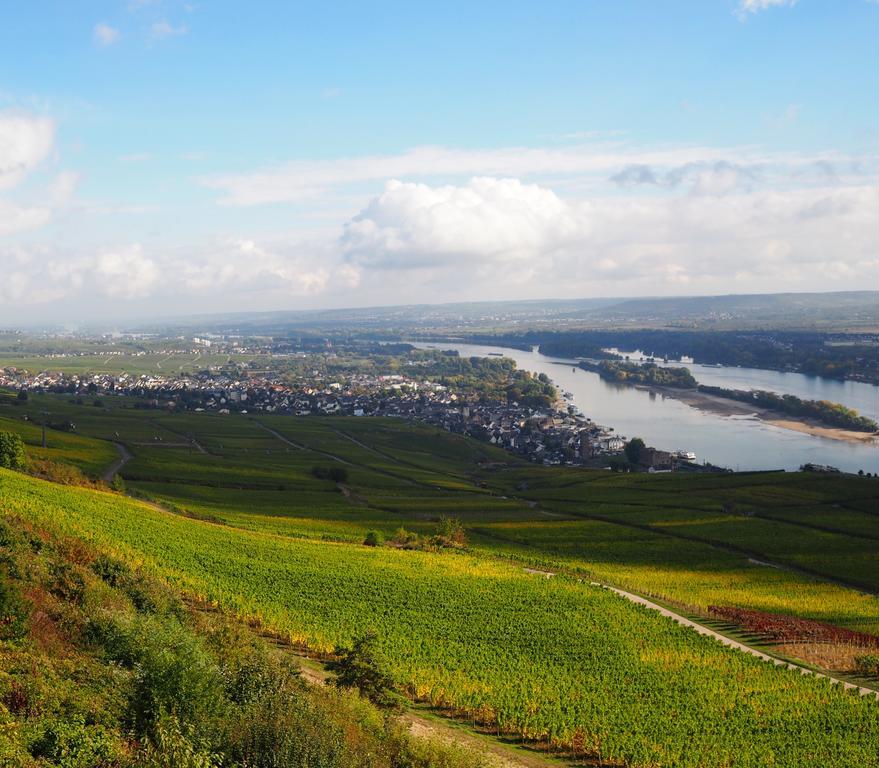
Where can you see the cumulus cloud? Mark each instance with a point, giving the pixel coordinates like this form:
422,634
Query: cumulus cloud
104,34
415,225
505,233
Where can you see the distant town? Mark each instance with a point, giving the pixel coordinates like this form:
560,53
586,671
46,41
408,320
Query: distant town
553,433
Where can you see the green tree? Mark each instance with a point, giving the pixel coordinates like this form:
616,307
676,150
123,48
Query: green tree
12,454
361,667
634,448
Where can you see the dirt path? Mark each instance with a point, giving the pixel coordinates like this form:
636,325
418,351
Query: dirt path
124,457
289,442
433,727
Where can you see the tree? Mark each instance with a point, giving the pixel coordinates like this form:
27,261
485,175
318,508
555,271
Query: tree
361,667
451,532
22,396
634,448
12,455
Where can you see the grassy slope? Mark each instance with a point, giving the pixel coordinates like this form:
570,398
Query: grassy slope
533,653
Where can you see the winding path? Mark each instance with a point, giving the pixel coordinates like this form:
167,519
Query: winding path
124,457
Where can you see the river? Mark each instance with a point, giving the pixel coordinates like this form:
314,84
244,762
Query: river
737,442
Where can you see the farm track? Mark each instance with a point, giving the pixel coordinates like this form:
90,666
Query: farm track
370,468
434,727
189,440
730,643
124,457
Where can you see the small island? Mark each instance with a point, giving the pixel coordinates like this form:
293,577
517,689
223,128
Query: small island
831,414
815,417
648,374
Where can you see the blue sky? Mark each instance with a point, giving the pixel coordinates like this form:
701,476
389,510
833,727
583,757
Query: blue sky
159,156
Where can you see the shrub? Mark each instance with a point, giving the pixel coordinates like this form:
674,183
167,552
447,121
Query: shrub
405,539
59,472
867,665
175,745
173,672
13,609
374,539
12,455
451,533
361,667
334,474
67,582
70,743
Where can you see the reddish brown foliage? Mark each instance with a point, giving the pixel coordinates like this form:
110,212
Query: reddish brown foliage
789,629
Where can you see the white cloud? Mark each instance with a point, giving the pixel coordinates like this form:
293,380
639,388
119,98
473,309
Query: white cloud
755,6
62,188
162,30
507,236
303,180
503,220
25,142
104,34
15,218
126,273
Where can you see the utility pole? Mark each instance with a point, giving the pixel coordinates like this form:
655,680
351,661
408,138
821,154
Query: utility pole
45,413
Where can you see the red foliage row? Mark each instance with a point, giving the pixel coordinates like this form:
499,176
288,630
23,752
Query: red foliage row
790,629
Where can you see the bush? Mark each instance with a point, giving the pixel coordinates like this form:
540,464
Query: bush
867,665
334,474
451,533
67,582
13,609
12,455
70,743
59,472
374,539
175,745
174,674
361,667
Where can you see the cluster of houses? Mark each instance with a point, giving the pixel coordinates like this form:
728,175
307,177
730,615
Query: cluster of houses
549,436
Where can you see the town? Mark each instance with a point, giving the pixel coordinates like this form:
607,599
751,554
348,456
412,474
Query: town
555,434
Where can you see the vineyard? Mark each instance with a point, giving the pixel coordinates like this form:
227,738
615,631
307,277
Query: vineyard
550,659
786,629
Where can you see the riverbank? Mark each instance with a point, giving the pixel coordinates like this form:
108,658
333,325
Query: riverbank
723,406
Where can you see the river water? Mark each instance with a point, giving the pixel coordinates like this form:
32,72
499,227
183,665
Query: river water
737,442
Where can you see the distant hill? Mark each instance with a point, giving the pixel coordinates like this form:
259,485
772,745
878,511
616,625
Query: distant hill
838,311
851,310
